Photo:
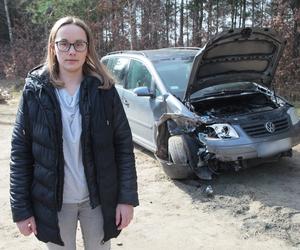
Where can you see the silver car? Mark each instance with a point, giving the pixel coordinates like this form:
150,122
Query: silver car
203,110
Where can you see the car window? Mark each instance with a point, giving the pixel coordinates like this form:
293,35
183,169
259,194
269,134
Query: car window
118,68
105,61
138,75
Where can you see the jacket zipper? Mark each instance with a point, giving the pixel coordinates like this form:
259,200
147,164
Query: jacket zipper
84,111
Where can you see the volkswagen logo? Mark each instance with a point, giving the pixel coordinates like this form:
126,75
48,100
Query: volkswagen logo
270,127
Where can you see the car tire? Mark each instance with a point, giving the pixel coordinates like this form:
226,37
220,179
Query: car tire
177,172
178,148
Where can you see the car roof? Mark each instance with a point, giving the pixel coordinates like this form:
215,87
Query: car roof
160,54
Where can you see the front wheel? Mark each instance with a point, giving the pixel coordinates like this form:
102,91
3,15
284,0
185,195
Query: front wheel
179,148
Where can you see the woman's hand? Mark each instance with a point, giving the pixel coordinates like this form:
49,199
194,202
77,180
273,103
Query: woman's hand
124,214
28,226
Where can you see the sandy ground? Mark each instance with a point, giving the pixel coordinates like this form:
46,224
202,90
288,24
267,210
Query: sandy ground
257,208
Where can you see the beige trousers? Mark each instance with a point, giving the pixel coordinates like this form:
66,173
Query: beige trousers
91,224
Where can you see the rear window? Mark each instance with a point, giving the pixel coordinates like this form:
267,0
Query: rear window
118,67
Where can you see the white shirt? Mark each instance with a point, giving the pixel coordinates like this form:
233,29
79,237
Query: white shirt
75,184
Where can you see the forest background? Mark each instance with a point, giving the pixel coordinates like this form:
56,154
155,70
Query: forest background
143,24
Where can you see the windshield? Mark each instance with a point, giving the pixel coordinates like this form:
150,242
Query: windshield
175,73
226,89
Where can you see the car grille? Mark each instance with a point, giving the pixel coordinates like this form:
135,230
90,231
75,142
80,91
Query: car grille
259,129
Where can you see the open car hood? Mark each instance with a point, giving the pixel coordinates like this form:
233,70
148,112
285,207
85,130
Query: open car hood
235,56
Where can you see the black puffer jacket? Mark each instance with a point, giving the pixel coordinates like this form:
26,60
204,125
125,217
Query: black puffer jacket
37,163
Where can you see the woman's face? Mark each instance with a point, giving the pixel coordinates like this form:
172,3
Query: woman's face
71,48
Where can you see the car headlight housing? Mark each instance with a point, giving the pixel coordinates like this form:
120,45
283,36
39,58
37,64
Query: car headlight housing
224,131
293,115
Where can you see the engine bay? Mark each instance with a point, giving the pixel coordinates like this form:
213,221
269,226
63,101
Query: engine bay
231,105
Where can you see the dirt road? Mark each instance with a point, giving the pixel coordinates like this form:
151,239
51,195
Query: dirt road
257,208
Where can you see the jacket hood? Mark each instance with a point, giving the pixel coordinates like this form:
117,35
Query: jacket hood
40,70
236,56
38,77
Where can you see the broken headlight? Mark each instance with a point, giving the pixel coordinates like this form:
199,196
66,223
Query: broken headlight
224,131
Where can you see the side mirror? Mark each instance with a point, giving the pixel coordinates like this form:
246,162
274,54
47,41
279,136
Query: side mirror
143,91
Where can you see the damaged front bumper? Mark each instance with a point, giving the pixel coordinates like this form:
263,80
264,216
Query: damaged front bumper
244,147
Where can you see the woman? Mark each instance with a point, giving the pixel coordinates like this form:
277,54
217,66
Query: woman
72,152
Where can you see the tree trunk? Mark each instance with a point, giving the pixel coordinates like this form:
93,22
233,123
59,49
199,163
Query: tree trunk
232,13
114,26
132,22
209,19
244,14
145,29
175,23
180,40
240,14
253,16
155,23
197,15
217,18
122,22
296,43
200,25
167,20
8,21
262,14
102,49
187,25
195,18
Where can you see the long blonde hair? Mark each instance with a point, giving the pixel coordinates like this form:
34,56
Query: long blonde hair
92,65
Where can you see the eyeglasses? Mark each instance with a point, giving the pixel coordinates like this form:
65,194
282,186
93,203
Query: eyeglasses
65,46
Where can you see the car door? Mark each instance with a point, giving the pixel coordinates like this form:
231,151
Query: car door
142,111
